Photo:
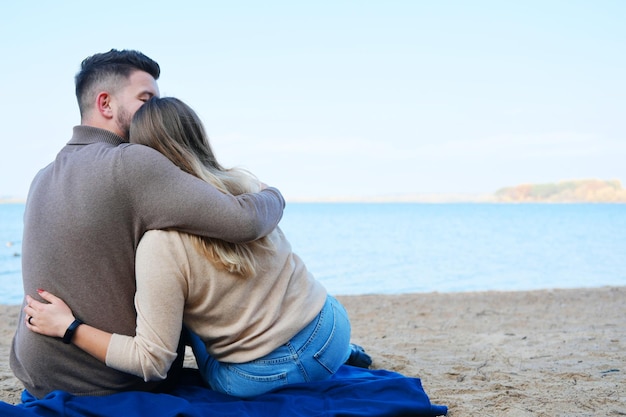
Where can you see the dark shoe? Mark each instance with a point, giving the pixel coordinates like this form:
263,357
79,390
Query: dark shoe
358,357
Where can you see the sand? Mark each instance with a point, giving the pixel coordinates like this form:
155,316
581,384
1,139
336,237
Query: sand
538,353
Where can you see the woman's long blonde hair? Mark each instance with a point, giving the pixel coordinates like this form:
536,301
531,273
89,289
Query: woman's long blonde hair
174,129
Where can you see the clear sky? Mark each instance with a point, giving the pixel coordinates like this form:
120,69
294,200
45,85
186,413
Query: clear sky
343,98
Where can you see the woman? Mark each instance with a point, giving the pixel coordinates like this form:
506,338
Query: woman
257,318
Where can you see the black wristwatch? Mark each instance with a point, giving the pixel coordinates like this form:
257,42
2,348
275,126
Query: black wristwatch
69,333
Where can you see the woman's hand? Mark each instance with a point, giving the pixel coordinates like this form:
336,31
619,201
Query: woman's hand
50,319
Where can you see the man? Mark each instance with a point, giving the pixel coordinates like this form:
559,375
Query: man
87,211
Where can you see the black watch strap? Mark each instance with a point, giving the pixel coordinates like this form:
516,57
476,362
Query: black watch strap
69,333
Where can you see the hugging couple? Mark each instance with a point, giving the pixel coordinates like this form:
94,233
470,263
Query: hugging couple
137,242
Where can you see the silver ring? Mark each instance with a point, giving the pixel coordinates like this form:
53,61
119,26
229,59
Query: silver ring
29,319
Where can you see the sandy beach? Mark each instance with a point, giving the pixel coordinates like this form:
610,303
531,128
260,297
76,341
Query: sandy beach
538,353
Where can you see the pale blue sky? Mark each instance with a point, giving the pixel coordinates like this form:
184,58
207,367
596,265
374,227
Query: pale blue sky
344,98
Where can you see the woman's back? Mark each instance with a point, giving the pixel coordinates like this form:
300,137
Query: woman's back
240,319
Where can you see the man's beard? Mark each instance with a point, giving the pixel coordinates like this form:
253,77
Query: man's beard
123,122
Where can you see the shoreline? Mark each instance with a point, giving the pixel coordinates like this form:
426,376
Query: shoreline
558,352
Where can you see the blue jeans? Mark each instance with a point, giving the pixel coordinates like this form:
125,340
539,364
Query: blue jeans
314,354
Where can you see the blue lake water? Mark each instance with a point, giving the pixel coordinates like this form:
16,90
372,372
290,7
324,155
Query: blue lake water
366,248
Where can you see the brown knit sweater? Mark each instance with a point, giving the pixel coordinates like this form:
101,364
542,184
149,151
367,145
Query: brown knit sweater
84,217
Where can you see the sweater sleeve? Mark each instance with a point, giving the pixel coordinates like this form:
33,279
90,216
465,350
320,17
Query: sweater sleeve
164,196
160,299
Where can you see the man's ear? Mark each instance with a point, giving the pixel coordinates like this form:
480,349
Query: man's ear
103,104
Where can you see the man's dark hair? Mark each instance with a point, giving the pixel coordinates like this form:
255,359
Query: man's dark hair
107,70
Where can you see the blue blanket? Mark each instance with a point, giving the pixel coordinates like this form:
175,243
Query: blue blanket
352,392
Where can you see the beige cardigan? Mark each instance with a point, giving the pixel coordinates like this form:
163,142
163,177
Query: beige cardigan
240,319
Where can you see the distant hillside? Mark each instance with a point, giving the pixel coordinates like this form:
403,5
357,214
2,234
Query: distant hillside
11,200
578,191
574,191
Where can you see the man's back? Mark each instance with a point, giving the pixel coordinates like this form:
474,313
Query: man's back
80,234
84,217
